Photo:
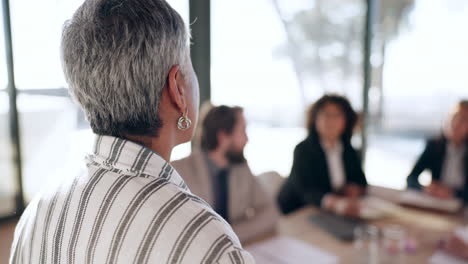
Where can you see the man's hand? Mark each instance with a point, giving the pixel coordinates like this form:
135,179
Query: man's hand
342,205
353,190
353,208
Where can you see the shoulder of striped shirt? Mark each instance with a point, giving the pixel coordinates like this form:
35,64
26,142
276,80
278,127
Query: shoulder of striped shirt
192,208
144,178
196,202
235,254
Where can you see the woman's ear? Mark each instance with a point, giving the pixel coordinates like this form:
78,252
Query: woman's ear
176,88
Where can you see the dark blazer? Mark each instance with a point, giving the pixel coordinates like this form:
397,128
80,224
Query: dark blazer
433,158
309,180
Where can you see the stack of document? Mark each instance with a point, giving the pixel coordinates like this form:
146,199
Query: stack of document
423,200
286,250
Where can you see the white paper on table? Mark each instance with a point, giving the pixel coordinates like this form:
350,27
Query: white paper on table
441,257
286,250
373,208
421,199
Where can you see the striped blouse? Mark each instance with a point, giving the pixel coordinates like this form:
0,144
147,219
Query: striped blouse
130,206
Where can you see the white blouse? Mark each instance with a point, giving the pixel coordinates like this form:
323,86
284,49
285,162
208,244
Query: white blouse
334,157
452,170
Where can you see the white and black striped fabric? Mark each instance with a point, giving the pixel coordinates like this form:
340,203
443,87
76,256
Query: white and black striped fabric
130,206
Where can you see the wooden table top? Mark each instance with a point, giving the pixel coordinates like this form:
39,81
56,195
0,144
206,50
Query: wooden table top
425,227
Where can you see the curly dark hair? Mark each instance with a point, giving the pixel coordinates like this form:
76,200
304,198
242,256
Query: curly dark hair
341,101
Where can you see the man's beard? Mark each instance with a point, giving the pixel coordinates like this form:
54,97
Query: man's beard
235,157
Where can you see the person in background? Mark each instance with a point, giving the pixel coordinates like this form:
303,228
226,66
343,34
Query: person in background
219,173
326,170
446,157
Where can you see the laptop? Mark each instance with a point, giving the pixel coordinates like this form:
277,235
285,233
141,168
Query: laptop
340,227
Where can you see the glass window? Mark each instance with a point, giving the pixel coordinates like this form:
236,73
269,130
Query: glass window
3,72
49,139
36,29
37,41
182,7
277,65
420,60
8,188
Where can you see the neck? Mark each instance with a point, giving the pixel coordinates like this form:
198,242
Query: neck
454,140
219,158
458,143
330,142
162,144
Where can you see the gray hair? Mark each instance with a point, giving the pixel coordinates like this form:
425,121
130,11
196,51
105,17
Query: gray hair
116,56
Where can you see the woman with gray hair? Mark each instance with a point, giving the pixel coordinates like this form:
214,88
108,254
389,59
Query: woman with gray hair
128,66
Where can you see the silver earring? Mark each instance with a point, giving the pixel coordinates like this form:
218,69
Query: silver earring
184,122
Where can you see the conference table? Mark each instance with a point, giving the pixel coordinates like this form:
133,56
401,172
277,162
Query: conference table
425,227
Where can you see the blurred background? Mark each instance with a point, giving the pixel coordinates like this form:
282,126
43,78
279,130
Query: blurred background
402,63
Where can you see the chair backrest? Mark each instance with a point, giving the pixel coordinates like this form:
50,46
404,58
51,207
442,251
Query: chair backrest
271,182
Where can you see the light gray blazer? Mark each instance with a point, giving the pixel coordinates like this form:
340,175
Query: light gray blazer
252,211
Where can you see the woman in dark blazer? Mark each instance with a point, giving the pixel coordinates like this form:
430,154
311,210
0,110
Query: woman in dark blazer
326,170
446,157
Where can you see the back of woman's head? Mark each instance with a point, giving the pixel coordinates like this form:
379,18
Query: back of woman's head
117,55
343,104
